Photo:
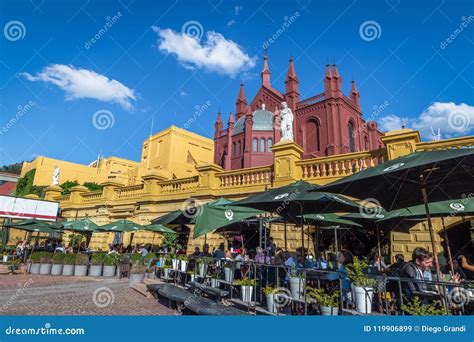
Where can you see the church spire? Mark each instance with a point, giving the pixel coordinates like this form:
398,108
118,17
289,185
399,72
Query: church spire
266,72
355,96
328,82
292,95
241,103
291,74
218,125
337,81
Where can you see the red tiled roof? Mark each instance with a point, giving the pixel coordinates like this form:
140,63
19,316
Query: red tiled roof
7,188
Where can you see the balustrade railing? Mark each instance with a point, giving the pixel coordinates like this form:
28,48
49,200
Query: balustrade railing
250,176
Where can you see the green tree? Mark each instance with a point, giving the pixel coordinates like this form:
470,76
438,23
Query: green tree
67,185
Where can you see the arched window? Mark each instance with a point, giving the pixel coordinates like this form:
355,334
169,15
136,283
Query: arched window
269,145
239,148
262,145
366,143
255,145
233,150
350,127
312,136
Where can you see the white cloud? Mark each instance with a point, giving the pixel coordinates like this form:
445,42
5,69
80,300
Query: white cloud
237,10
230,23
183,93
216,54
452,119
83,83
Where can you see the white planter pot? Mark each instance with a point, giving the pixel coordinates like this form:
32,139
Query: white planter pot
68,270
80,270
162,262
35,268
108,271
95,271
297,287
5,258
192,277
175,263
214,282
228,274
184,265
203,270
135,278
57,269
363,298
271,305
166,273
329,310
150,275
246,293
45,269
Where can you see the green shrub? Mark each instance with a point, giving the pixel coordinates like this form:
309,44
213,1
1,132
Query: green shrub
35,257
82,259
70,259
98,259
46,257
58,258
111,259
417,308
245,282
321,297
358,274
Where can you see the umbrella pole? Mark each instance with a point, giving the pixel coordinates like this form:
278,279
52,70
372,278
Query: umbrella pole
302,229
335,240
378,240
430,225
446,240
205,238
284,233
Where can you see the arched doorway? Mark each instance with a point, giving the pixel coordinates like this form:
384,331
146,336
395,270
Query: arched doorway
312,140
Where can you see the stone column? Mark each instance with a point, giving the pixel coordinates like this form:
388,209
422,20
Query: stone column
400,142
76,192
286,154
51,192
207,177
109,190
152,183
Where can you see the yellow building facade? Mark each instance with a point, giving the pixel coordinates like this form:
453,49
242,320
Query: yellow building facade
158,189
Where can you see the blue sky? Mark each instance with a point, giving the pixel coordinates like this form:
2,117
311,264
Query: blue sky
66,96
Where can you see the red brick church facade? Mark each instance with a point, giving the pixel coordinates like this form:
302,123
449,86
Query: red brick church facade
325,124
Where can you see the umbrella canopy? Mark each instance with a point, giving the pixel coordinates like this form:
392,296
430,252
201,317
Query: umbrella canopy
329,220
82,225
296,198
34,225
211,217
159,228
461,207
396,183
121,226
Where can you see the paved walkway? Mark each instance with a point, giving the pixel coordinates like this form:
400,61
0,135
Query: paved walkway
28,294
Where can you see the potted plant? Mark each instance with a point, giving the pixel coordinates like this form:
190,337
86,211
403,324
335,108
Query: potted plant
35,262
137,271
215,281
69,262
45,262
13,264
270,294
166,272
297,284
175,262
80,265
97,264
58,263
184,259
417,308
246,289
328,303
229,272
110,264
203,265
150,260
362,285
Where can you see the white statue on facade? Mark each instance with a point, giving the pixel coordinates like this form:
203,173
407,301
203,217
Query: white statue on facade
56,174
286,116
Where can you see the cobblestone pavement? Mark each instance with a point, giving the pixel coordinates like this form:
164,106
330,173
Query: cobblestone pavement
28,294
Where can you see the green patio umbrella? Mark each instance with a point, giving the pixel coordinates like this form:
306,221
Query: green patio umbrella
33,223
81,225
211,217
121,226
159,228
329,220
414,179
297,199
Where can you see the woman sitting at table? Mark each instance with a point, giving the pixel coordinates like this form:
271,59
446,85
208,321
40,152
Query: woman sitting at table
344,258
